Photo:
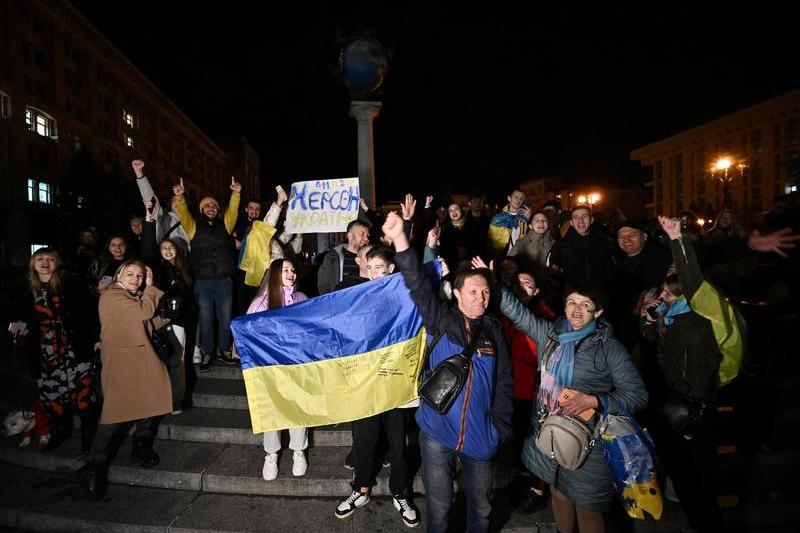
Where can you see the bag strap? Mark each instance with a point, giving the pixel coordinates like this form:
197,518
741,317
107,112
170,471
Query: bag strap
473,342
440,331
171,229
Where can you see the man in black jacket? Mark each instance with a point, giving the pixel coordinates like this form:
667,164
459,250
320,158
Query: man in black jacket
582,256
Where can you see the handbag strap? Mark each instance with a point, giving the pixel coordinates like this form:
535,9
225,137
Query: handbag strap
440,331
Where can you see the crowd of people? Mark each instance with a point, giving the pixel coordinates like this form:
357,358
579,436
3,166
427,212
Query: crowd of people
547,301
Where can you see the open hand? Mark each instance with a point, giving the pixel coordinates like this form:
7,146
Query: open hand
777,241
408,207
671,226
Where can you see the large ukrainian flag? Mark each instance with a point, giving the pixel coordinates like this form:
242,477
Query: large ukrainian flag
338,357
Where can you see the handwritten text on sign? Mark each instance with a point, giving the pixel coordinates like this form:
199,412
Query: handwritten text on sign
322,206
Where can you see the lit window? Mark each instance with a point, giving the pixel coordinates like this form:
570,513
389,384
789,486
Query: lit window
129,141
40,192
40,122
35,247
5,105
128,118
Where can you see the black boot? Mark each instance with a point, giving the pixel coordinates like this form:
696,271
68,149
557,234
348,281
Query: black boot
143,454
94,480
88,429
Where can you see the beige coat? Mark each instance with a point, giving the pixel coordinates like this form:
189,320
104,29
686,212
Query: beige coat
135,381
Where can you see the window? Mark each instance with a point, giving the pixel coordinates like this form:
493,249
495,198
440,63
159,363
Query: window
128,118
40,122
40,192
129,141
5,105
35,247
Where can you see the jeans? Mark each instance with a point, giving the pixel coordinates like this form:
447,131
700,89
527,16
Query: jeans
214,298
438,472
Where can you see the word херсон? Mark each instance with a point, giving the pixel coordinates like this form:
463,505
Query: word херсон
342,200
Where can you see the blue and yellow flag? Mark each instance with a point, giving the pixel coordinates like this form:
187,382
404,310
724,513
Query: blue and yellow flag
342,356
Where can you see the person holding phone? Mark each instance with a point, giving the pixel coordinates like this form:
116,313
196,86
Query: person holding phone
59,326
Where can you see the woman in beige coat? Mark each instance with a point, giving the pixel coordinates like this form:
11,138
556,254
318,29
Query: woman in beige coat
136,387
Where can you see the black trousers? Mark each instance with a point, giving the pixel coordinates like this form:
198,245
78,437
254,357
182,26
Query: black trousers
366,433
690,465
111,436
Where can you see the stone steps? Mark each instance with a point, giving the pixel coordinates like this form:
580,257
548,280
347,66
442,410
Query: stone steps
32,500
220,468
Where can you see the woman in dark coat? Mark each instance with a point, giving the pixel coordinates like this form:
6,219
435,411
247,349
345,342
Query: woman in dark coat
63,333
171,276
105,266
689,359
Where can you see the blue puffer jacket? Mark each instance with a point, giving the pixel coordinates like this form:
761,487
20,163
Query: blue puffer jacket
480,418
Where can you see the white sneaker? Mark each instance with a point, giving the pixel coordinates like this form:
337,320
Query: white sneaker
407,510
270,470
348,506
197,357
299,463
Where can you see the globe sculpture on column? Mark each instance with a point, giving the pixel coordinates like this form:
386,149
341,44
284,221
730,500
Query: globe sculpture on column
363,64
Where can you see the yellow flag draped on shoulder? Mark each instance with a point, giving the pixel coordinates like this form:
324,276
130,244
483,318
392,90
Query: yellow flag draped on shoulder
709,303
339,357
256,256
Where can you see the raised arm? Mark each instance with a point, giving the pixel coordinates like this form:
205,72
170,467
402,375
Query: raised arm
232,212
413,274
684,257
145,189
187,221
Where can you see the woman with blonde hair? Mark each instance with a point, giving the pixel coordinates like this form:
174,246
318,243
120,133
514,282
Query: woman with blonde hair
136,386
61,329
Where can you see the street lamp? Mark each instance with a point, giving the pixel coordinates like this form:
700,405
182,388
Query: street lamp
721,170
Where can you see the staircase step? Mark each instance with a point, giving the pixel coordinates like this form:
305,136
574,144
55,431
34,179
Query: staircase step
221,372
31,500
222,468
220,394
232,426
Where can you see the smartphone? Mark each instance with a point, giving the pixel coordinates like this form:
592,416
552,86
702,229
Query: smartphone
653,312
17,327
107,280
566,394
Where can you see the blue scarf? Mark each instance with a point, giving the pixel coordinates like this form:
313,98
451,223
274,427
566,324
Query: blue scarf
504,219
562,364
563,367
678,307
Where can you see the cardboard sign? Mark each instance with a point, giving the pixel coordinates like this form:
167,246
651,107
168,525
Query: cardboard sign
322,206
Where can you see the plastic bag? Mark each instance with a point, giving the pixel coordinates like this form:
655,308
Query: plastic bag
631,459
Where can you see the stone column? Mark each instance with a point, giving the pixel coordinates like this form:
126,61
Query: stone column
365,112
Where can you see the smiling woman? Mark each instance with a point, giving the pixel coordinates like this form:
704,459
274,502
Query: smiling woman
581,358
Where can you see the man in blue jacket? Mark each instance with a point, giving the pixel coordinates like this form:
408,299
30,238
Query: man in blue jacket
480,418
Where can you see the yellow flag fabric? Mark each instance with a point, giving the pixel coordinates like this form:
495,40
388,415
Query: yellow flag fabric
256,257
339,357
336,390
710,304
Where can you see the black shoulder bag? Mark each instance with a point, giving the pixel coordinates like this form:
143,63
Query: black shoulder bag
444,383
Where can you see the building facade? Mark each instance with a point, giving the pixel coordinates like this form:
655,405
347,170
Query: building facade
761,143
66,90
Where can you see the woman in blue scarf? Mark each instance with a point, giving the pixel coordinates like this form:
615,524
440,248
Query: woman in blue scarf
581,354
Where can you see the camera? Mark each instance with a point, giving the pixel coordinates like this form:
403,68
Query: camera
653,312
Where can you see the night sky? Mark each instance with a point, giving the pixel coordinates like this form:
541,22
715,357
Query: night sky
481,98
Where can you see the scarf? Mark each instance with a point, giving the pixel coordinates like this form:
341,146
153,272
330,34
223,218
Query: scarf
561,364
678,307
